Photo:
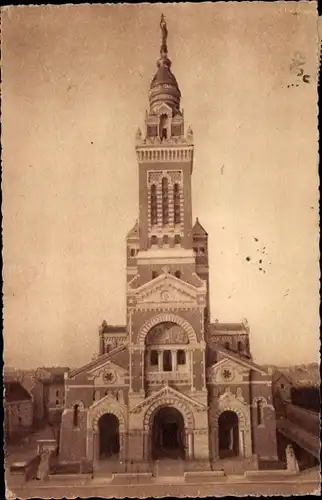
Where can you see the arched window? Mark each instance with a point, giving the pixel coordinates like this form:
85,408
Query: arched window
260,412
154,358
163,130
57,393
181,357
178,274
177,239
154,275
132,252
176,204
154,241
227,345
154,210
240,346
76,416
167,361
165,201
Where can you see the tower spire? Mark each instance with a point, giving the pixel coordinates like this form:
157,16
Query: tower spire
164,87
164,36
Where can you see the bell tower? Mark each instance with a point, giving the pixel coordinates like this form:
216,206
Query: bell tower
165,158
166,279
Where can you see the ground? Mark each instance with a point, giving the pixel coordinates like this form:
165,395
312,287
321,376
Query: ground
304,484
308,482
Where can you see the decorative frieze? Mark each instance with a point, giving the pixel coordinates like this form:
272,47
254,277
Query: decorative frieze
111,341
165,377
161,155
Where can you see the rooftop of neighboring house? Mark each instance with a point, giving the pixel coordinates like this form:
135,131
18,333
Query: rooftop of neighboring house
299,376
15,392
52,374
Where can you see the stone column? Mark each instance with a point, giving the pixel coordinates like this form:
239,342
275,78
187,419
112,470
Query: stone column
142,357
89,444
160,361
174,360
122,443
190,446
215,442
191,369
146,445
96,446
186,444
241,443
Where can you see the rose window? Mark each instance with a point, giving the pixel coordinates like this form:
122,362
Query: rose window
109,377
227,374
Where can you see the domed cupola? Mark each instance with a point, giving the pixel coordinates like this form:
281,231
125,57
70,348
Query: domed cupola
164,88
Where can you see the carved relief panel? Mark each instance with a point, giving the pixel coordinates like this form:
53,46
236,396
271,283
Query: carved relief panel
167,333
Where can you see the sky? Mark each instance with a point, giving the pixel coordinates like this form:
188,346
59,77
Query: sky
75,83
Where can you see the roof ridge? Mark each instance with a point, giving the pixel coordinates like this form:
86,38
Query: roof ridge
103,357
248,362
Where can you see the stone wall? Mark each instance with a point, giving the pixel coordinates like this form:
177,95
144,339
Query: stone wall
73,439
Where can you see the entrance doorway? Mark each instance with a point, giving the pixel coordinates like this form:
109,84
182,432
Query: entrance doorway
168,434
228,434
109,436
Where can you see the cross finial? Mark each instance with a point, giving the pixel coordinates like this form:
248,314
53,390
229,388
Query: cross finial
164,35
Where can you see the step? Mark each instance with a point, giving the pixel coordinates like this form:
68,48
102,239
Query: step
205,476
132,478
169,468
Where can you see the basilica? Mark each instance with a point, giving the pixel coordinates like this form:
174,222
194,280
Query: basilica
169,383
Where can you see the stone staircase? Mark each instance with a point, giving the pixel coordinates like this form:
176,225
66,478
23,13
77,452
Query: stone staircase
104,470
168,468
234,465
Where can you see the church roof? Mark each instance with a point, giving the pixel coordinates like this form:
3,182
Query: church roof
198,230
134,232
239,359
226,327
113,328
98,361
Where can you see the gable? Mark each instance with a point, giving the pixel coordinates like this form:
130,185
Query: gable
108,373
225,354
164,109
168,289
227,371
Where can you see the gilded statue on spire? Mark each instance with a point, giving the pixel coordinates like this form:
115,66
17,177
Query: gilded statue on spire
164,34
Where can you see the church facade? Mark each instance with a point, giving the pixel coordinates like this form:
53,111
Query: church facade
169,383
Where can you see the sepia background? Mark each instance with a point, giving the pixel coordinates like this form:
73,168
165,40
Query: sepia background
75,83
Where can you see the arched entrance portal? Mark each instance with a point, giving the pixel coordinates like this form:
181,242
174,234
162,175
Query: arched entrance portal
228,434
109,436
168,434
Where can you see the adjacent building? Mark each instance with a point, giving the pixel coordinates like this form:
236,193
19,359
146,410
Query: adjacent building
168,383
18,410
49,394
